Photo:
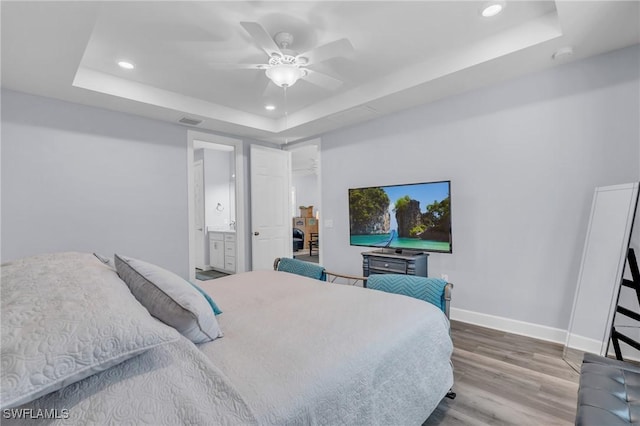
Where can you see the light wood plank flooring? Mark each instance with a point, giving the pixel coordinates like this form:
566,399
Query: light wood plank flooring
506,379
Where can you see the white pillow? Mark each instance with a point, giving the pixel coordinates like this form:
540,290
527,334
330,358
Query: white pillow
170,298
65,317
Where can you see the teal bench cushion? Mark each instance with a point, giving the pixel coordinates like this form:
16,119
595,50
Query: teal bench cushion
303,268
428,289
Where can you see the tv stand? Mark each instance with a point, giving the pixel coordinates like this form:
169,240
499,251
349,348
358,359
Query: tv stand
388,261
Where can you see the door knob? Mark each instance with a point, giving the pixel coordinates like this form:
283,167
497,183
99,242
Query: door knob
256,233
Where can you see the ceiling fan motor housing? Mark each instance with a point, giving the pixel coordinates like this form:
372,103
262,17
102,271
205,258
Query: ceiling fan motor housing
283,39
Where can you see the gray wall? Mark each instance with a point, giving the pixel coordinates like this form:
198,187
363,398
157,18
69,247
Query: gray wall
306,191
523,158
87,179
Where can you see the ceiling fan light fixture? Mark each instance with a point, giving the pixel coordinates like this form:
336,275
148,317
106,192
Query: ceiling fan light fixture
492,8
284,75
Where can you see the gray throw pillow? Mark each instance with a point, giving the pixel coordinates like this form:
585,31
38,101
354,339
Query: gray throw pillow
65,316
106,260
170,298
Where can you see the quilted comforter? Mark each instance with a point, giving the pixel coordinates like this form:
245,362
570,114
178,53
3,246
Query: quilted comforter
73,301
169,385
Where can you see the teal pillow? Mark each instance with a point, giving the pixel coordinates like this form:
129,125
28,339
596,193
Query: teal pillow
215,308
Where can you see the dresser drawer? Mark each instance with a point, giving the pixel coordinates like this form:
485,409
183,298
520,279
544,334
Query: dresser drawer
388,265
230,263
229,248
230,237
216,236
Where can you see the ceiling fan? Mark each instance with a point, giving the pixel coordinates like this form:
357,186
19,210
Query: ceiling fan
285,66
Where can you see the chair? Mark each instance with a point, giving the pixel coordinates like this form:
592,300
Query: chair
313,242
298,239
300,267
433,290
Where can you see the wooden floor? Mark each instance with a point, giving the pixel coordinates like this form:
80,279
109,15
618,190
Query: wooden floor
506,379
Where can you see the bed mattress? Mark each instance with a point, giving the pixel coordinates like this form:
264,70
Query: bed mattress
302,351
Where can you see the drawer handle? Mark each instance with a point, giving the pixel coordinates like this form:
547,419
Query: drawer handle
386,265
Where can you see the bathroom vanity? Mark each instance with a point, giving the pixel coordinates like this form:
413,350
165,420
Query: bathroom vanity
222,250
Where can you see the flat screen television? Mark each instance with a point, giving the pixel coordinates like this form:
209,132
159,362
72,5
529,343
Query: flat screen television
414,217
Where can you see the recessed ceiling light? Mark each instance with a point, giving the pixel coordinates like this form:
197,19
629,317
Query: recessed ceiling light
269,107
562,53
126,65
492,8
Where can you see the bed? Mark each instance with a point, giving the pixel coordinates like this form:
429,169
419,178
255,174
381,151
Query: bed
286,349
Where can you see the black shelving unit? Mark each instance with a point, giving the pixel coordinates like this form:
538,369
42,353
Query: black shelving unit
633,283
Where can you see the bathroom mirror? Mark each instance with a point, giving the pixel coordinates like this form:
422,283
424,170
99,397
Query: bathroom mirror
603,261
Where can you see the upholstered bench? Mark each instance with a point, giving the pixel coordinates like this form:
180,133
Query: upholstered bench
609,392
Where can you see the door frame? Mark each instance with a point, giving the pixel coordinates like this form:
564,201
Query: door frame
203,230
241,220
317,142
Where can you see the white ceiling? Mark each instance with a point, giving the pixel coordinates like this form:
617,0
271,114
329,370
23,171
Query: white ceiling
405,54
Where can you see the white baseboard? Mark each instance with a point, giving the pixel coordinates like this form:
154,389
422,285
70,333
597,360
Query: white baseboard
584,344
528,329
542,332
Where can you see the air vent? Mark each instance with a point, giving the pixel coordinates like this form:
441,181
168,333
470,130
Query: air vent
189,121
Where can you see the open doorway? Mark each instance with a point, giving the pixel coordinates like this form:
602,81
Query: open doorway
305,196
216,209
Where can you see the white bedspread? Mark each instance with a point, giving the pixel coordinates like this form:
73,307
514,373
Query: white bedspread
301,351
170,384
173,384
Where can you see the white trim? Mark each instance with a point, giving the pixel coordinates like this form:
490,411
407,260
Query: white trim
528,329
536,331
584,344
318,143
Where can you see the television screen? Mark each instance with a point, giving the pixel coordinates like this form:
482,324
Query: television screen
412,217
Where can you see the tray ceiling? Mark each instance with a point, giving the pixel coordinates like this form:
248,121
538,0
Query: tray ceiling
405,54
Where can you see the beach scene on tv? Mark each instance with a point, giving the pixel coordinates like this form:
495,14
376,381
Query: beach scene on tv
412,217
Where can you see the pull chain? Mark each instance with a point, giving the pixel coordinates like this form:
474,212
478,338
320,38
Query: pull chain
286,116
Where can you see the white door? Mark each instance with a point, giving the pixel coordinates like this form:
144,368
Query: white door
270,209
198,200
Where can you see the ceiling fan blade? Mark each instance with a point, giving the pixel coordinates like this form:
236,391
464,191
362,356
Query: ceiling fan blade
262,38
323,80
330,50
